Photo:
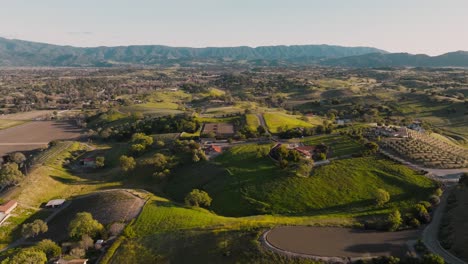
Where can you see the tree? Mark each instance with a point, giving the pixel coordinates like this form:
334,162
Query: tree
86,242
84,224
381,197
261,130
304,167
17,157
394,220
77,252
27,256
100,161
421,213
50,248
127,163
33,229
143,139
198,198
370,148
432,259
10,174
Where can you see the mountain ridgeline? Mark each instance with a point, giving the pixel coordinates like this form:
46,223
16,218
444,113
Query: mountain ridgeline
19,53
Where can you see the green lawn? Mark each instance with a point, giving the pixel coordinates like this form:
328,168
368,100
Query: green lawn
5,123
252,121
241,183
275,120
339,145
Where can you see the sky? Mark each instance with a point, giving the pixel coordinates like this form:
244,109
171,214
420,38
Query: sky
415,26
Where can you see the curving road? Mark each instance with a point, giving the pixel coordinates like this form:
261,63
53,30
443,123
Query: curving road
431,232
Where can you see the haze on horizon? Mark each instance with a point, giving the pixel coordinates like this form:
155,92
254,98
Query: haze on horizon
431,26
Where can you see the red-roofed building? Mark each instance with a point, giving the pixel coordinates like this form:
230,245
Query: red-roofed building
305,150
214,148
7,207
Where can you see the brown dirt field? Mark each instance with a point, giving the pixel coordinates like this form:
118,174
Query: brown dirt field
107,207
454,227
340,242
27,115
34,135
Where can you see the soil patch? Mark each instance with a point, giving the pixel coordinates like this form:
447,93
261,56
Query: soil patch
340,242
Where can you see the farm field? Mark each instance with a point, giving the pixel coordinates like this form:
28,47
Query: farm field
339,145
170,232
340,242
35,134
107,207
27,116
7,123
252,121
243,183
277,120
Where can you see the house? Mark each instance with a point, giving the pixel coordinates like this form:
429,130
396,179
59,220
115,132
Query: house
306,151
213,149
88,162
7,207
5,210
71,261
55,203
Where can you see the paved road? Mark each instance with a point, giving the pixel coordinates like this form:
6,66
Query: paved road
263,123
431,232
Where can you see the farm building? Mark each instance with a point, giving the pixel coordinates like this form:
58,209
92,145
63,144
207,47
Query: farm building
7,207
55,203
213,149
306,151
88,162
5,210
221,130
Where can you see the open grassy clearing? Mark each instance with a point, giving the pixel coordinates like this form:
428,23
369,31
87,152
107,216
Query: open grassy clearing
339,145
169,232
205,119
107,207
243,183
6,123
224,110
277,120
252,121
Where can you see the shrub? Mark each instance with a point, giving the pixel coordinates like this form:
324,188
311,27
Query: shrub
50,248
394,220
198,198
381,197
434,200
84,224
432,259
438,192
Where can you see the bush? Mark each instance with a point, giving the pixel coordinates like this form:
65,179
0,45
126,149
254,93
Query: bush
198,198
438,192
381,197
434,200
394,220
432,259
420,212
413,222
84,224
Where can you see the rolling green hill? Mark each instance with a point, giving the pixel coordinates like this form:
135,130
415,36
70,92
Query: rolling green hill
242,182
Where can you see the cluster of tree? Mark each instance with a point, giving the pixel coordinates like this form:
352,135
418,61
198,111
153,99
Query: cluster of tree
198,198
147,125
140,143
292,160
286,133
33,229
427,258
10,174
44,251
370,148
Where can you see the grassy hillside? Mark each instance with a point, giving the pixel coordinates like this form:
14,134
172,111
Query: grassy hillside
242,182
277,120
171,233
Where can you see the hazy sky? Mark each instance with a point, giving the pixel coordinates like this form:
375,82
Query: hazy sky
415,26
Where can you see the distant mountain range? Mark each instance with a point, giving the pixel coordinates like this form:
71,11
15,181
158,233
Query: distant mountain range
19,53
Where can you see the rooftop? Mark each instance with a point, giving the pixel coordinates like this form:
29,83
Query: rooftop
55,202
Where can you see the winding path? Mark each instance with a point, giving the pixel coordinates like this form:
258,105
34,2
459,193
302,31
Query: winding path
431,233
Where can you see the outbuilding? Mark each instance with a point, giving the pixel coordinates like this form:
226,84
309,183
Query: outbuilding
55,203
